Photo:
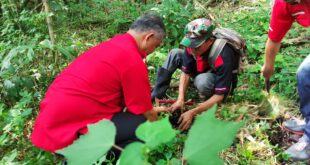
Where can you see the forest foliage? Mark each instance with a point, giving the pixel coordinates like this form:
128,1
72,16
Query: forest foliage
30,61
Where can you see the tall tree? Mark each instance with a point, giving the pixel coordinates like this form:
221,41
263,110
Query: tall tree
49,22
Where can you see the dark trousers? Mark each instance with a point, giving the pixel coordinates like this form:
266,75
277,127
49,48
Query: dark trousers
204,82
126,124
164,73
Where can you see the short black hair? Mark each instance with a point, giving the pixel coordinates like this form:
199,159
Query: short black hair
149,22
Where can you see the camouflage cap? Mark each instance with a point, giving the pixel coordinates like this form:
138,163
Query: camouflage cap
197,32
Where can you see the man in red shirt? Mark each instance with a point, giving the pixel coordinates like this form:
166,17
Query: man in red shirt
100,84
284,13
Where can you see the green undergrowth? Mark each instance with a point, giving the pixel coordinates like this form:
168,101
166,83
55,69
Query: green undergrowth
29,63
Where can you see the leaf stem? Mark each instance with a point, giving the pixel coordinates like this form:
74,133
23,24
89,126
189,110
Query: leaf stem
118,147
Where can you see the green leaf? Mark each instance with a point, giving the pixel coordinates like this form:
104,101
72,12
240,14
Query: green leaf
175,161
91,146
27,112
9,158
207,137
65,52
155,133
3,139
161,162
280,58
133,154
6,62
30,54
46,44
8,84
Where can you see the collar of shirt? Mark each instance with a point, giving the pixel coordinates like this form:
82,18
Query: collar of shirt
201,61
205,54
134,43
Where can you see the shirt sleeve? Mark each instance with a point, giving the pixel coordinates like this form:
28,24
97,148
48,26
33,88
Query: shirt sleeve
188,63
136,89
224,65
281,21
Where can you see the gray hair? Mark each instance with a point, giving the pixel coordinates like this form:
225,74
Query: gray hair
292,2
149,22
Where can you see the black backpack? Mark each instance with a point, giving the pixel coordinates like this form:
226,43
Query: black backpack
236,42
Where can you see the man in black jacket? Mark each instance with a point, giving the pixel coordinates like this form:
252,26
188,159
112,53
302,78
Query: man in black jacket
213,81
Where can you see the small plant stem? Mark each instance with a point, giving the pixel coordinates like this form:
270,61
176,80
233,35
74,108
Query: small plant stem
118,147
183,161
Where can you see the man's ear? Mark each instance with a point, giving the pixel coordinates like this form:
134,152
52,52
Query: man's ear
149,35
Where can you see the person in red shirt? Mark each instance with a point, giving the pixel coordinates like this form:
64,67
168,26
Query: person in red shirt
284,14
108,81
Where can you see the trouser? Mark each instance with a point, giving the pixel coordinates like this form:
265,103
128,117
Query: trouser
204,82
303,86
126,124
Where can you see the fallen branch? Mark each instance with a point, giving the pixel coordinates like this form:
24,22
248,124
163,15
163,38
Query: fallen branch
296,41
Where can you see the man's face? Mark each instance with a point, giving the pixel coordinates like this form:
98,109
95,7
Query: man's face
202,48
150,43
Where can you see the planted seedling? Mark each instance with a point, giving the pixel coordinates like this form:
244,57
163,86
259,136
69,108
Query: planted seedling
174,118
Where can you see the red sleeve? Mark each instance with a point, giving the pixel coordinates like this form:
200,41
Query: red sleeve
281,21
136,89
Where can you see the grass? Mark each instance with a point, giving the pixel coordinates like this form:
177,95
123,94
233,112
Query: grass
260,141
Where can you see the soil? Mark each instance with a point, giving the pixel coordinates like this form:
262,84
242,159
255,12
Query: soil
279,136
284,139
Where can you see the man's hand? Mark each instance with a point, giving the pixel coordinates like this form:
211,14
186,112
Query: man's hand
159,109
186,120
187,117
179,104
151,115
267,71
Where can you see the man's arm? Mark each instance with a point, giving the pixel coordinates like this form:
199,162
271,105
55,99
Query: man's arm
184,81
150,115
207,104
187,117
271,50
281,21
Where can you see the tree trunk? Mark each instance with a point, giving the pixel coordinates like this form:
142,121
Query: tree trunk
17,6
24,4
65,2
1,12
49,22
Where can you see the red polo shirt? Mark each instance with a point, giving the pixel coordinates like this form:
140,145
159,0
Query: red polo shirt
283,16
99,83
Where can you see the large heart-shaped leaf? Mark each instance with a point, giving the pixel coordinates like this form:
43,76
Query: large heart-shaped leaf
155,133
133,155
207,137
91,146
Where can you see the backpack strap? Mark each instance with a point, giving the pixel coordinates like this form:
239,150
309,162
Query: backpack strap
216,49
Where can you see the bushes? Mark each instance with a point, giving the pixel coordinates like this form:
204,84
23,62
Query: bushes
29,62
